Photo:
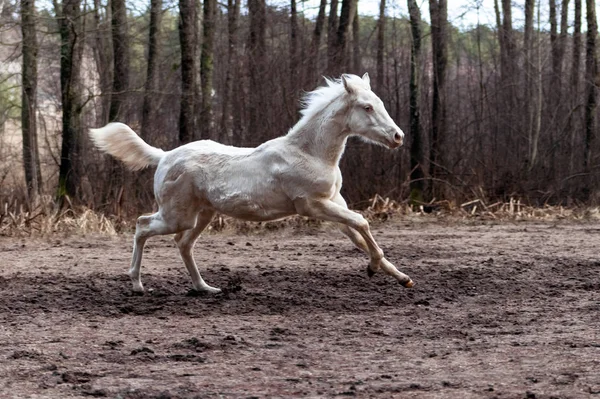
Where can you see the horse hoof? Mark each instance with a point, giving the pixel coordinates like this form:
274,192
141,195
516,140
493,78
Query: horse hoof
370,272
408,284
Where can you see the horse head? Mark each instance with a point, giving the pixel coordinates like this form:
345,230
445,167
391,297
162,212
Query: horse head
366,115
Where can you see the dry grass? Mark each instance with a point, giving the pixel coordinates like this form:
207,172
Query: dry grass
46,219
512,210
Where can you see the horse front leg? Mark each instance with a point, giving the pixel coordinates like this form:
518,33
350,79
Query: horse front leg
352,234
334,212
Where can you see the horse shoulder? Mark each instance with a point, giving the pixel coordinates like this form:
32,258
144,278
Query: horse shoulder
306,178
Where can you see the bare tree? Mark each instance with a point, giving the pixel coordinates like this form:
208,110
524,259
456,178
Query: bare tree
381,45
528,59
506,36
69,22
103,53
315,43
554,40
332,27
577,45
31,160
340,61
206,68
294,47
564,27
187,39
356,54
575,80
591,81
439,37
536,100
417,162
257,48
233,12
120,60
152,72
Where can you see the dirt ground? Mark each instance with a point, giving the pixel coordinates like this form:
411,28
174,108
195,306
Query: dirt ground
508,310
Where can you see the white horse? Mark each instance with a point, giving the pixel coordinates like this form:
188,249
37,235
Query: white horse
294,174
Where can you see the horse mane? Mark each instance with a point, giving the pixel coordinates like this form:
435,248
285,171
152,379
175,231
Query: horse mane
316,100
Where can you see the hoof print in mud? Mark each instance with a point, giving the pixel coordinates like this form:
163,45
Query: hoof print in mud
195,293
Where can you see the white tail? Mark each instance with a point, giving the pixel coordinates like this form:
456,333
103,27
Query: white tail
120,141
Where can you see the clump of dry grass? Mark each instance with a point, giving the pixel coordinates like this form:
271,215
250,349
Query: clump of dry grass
47,219
514,209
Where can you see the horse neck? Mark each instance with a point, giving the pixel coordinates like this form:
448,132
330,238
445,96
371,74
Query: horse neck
322,135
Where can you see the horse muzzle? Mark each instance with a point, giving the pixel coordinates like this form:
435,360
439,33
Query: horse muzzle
397,139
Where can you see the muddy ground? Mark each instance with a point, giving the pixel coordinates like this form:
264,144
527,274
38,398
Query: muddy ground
508,310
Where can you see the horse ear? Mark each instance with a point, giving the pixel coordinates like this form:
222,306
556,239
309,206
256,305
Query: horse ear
367,80
347,86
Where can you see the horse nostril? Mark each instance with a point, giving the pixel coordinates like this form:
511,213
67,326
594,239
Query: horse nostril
398,137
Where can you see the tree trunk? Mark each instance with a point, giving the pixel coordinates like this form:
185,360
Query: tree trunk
332,27
554,41
315,43
340,54
233,12
70,62
257,49
506,101
294,49
31,161
528,98
564,27
417,163
152,75
574,80
591,72
120,60
356,58
439,38
577,45
537,101
509,44
187,39
381,45
206,69
102,50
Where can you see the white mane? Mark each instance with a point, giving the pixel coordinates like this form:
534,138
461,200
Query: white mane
314,101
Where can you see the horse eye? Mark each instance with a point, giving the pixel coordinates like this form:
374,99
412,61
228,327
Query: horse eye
368,108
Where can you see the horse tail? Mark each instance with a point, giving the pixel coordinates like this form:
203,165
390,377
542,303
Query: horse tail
120,141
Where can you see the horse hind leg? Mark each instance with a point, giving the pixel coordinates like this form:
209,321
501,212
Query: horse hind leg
148,226
185,241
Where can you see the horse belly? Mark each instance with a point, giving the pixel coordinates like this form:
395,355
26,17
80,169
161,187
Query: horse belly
254,210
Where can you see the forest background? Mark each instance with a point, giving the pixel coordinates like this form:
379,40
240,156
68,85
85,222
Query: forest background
493,111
